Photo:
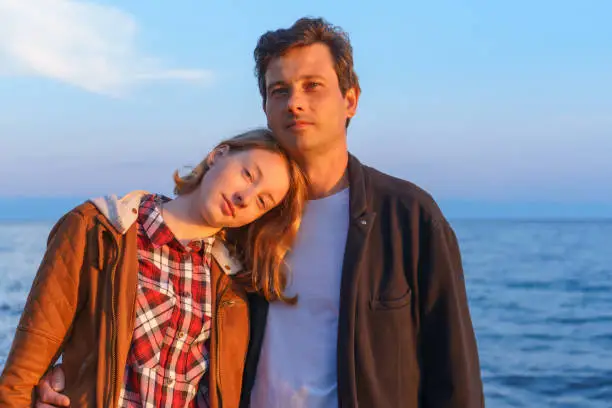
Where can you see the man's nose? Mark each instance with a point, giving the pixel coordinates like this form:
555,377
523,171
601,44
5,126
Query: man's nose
295,102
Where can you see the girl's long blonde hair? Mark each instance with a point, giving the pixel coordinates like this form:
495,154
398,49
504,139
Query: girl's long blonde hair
262,245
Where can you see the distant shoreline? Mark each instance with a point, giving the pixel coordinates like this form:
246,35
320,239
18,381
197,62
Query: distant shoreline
45,209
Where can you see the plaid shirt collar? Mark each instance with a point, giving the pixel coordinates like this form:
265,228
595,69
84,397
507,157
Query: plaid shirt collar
151,219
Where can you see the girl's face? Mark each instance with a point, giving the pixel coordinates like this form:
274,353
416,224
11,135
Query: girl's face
241,186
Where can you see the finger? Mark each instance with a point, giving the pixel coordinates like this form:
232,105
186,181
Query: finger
47,395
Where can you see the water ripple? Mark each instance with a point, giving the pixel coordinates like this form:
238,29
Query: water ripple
540,295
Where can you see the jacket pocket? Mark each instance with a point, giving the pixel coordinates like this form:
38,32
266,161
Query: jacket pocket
391,303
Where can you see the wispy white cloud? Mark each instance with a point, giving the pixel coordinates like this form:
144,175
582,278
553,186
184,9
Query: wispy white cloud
87,45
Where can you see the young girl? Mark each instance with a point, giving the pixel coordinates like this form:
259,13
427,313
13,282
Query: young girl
144,297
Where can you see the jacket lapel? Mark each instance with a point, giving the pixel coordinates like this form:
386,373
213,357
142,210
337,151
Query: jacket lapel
360,225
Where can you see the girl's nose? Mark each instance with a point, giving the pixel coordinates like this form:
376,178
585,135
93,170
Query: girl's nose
242,199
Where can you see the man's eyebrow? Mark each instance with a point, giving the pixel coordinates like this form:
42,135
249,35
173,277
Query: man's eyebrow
317,77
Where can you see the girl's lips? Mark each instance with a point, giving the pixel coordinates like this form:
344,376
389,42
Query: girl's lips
227,208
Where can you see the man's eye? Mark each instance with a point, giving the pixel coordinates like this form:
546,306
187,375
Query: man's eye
312,85
278,91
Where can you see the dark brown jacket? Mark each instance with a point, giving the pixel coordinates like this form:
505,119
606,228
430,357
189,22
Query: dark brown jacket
82,305
405,336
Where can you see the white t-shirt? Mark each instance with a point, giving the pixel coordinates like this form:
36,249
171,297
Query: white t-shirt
297,365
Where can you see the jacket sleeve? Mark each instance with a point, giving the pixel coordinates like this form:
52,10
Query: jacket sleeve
451,369
48,314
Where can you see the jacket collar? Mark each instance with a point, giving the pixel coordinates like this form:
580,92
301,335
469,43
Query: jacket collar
358,189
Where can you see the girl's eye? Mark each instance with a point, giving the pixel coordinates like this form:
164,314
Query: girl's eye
248,174
262,202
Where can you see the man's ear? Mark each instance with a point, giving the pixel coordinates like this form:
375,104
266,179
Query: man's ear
351,99
216,154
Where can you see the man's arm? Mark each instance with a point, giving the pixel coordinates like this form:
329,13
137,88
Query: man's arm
451,368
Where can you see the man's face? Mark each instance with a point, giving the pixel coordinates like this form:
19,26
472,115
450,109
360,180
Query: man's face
304,105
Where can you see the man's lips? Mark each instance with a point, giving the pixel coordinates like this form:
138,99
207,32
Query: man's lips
228,208
298,124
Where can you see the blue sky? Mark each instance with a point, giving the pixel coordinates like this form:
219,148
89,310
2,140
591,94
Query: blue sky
502,101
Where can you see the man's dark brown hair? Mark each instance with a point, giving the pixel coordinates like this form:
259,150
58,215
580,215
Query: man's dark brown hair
304,32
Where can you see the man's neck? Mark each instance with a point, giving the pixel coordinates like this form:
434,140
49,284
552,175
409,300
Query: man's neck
185,224
328,173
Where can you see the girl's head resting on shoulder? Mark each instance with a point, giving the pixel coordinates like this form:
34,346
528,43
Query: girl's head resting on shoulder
255,192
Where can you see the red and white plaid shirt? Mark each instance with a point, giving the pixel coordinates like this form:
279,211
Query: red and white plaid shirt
168,357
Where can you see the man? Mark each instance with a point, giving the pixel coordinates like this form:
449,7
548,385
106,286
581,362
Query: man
382,317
